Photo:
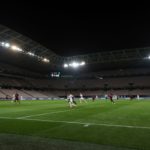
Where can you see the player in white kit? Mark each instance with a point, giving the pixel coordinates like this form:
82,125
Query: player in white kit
70,98
82,98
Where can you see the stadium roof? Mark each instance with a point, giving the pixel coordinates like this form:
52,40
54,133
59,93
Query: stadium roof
28,45
100,58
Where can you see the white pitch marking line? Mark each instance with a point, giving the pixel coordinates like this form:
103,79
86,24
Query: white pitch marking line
82,123
42,114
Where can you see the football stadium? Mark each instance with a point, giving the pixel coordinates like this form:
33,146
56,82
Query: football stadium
90,101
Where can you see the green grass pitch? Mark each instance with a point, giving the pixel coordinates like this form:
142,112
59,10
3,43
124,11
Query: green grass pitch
93,125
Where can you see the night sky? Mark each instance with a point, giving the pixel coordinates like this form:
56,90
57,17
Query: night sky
79,31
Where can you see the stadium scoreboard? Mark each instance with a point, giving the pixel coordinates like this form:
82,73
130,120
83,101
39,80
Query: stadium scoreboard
55,74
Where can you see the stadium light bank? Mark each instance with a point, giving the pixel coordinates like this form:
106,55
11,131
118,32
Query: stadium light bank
17,49
74,64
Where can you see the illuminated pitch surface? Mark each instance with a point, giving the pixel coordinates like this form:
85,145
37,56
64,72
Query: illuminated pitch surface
125,124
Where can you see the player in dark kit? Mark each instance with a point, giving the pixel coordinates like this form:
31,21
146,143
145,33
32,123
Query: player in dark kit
93,98
17,100
111,98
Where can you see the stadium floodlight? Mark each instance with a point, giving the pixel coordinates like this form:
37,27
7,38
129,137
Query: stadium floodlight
149,57
2,43
45,60
6,45
15,48
31,54
19,49
75,65
65,65
82,63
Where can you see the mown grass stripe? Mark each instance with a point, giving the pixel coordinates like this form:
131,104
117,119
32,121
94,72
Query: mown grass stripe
81,123
42,114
